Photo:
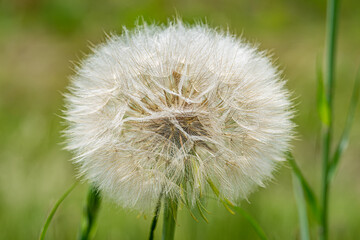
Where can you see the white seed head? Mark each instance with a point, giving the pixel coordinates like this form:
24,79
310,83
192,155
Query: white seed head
177,111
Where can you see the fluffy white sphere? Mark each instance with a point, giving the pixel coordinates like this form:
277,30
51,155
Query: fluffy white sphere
177,111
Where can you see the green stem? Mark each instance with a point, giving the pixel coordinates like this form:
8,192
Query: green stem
332,15
325,187
170,213
332,11
155,219
90,213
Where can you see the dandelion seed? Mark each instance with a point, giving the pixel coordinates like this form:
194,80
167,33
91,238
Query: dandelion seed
176,111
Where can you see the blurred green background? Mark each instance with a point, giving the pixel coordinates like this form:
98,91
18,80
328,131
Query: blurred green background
40,39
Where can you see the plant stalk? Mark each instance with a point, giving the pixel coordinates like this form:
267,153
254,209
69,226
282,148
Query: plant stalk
155,219
170,213
331,22
90,214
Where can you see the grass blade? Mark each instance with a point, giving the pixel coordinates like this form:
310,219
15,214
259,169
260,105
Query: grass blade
308,193
346,132
260,232
53,211
301,204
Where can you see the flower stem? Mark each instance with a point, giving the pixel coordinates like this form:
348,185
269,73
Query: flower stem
90,213
332,11
155,219
170,213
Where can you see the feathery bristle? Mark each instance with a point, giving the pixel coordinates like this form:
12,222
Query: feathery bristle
165,111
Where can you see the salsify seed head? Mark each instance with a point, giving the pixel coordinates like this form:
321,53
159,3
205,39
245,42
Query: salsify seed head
177,111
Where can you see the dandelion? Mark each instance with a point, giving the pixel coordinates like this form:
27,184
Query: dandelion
177,112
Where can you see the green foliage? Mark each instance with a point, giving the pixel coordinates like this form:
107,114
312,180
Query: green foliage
346,132
325,100
307,191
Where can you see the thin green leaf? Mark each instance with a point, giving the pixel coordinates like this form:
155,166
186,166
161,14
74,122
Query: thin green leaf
309,194
322,102
53,211
346,132
260,232
301,204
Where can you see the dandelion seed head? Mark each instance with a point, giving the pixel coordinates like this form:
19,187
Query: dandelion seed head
171,110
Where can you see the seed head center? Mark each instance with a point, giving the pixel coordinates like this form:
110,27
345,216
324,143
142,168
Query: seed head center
178,129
